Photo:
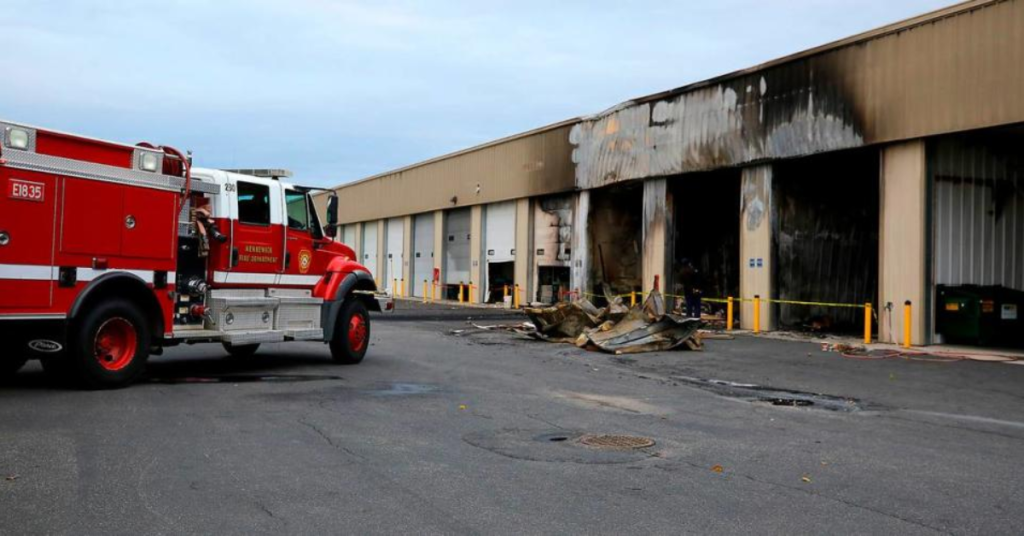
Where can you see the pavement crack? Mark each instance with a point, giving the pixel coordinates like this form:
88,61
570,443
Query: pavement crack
266,510
545,421
952,427
327,439
812,493
140,485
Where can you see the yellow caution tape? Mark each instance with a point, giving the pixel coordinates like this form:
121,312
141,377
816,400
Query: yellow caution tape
739,300
818,304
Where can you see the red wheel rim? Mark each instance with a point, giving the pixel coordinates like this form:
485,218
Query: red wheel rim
116,343
357,333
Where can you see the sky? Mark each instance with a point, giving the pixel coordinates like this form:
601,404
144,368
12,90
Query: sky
338,90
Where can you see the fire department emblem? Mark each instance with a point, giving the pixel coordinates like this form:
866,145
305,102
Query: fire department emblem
305,261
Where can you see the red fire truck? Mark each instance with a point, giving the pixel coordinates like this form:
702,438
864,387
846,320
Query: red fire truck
111,252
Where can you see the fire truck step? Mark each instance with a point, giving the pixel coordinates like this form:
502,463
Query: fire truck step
304,334
253,337
197,335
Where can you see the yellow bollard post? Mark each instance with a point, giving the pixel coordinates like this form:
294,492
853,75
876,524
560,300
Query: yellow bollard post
462,289
506,291
632,299
907,317
403,286
425,293
471,288
516,297
728,315
867,323
394,287
757,314
433,291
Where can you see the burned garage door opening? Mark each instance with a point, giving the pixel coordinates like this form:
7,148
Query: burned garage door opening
500,277
615,224
553,284
707,237
826,239
553,219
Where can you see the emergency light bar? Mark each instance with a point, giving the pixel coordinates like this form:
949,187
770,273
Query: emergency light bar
263,173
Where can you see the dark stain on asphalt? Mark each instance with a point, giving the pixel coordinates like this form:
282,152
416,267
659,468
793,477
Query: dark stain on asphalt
776,396
404,389
244,378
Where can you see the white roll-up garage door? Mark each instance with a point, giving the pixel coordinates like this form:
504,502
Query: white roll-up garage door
348,235
456,254
423,251
500,232
978,214
370,249
499,247
394,246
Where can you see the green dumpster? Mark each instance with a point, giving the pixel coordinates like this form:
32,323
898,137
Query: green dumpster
979,315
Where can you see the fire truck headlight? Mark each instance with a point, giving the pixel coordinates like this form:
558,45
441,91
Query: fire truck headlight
149,162
17,138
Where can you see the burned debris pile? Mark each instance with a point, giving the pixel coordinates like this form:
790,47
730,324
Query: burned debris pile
616,329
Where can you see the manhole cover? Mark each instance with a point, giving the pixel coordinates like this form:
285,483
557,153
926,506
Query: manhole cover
616,442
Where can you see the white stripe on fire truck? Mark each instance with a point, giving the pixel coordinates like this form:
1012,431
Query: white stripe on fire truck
299,280
250,278
244,278
25,272
55,316
31,272
88,274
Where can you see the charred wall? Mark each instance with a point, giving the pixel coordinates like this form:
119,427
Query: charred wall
943,73
826,238
788,111
553,227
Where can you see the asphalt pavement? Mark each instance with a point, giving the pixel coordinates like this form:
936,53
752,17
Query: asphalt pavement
450,429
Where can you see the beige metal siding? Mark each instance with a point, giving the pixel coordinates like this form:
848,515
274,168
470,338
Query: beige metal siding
533,164
902,236
756,216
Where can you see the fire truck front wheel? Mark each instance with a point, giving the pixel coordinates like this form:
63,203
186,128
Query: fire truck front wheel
352,333
110,346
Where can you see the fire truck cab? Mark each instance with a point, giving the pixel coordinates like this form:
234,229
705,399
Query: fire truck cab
111,252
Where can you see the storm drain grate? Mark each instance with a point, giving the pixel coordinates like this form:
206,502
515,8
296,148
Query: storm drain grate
616,442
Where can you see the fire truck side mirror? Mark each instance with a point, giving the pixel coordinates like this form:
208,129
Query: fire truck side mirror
332,216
